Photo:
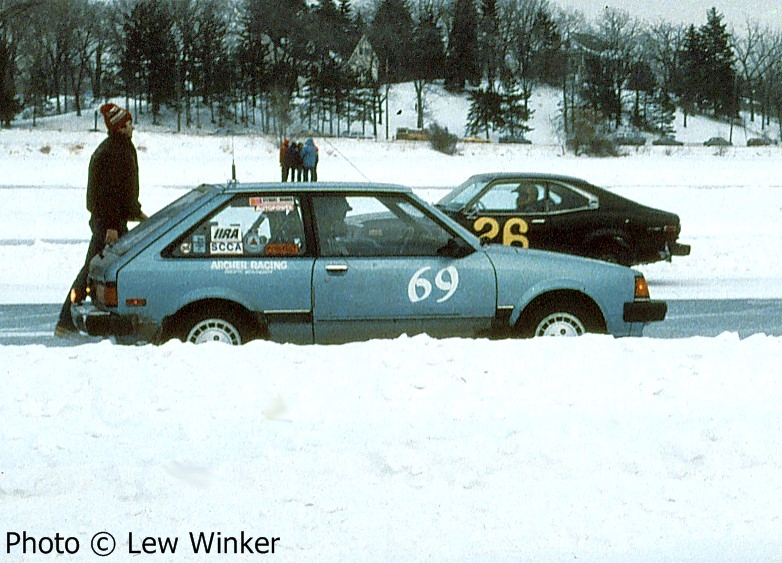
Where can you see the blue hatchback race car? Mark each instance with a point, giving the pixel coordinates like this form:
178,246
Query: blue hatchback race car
331,263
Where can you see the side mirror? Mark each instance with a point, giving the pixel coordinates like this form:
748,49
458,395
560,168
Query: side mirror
455,248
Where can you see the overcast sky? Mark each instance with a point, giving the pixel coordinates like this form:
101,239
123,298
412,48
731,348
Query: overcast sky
735,12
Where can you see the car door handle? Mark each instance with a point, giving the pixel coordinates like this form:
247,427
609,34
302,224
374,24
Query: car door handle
538,221
337,268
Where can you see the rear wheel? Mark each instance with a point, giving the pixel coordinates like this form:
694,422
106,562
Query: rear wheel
209,325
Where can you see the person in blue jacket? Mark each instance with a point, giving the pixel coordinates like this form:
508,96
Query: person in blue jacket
309,157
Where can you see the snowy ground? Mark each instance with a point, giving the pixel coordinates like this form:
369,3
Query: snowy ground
413,449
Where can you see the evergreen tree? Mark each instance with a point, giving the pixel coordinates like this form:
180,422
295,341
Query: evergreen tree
8,103
485,113
462,60
719,88
691,73
548,60
150,53
489,44
430,58
391,36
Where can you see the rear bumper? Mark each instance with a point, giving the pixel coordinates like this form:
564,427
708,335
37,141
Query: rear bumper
644,311
96,322
678,249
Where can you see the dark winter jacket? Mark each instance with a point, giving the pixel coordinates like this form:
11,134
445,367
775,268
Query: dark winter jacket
309,154
292,158
112,185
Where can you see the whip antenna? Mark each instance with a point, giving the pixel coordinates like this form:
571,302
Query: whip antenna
233,162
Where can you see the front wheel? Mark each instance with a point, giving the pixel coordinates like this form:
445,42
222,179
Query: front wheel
561,323
561,317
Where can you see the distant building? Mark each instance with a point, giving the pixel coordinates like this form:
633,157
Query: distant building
364,61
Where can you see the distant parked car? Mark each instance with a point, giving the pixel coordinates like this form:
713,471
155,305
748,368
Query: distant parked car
508,139
667,140
717,142
758,142
631,139
563,214
330,263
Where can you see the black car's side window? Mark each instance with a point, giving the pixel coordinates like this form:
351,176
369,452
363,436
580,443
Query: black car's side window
564,198
250,225
368,226
516,196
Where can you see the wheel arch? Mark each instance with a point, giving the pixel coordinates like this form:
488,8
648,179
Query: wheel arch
565,298
610,238
255,321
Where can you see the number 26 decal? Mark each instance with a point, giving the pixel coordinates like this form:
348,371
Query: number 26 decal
488,227
420,288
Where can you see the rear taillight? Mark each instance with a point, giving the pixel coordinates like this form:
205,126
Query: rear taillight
106,293
641,288
671,229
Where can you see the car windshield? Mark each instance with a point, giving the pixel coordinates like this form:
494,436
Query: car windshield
148,226
462,195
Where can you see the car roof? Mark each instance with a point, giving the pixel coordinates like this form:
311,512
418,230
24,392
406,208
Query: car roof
531,175
311,187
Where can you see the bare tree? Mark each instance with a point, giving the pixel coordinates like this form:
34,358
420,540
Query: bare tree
754,57
621,36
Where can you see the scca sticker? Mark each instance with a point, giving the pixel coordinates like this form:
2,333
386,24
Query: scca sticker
226,240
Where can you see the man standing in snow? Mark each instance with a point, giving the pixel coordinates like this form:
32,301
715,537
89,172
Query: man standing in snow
284,168
112,200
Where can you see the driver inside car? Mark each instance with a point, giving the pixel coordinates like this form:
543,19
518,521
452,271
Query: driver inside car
330,212
527,198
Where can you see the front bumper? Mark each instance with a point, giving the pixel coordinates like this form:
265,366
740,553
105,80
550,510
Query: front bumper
678,249
644,311
97,322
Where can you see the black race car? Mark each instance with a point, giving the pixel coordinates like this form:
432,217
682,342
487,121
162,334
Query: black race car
564,214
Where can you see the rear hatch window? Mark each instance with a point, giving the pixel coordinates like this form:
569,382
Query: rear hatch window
137,234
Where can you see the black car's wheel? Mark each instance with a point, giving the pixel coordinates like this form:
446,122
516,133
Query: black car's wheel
615,256
561,317
211,325
612,250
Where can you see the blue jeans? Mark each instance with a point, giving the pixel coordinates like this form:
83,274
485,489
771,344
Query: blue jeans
97,243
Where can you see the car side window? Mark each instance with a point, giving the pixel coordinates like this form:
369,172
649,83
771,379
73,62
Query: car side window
368,226
525,196
249,225
564,198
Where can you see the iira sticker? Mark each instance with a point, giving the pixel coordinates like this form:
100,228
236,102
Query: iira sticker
226,240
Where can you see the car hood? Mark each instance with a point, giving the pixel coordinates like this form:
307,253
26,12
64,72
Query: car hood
523,273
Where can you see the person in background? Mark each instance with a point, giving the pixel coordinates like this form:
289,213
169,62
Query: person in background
292,159
309,159
299,162
284,168
112,200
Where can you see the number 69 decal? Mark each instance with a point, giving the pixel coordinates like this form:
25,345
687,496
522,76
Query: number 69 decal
420,288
